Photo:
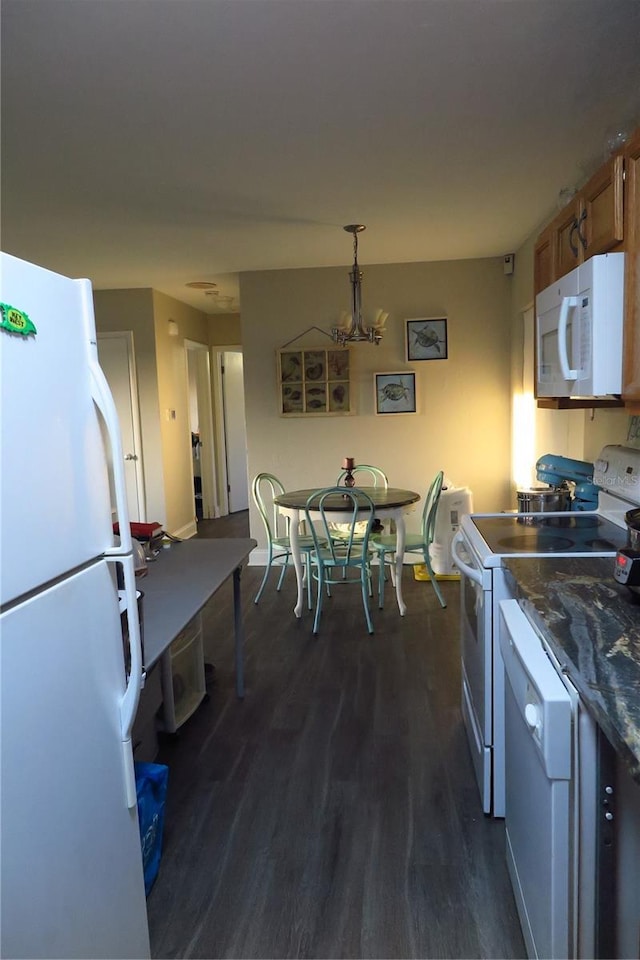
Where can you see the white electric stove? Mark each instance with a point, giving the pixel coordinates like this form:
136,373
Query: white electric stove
482,544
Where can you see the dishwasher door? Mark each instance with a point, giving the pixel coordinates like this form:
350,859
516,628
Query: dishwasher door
538,765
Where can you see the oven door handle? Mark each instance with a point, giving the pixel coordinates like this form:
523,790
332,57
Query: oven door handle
471,572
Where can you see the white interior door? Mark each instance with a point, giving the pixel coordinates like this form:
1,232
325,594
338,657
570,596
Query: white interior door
235,431
115,352
201,422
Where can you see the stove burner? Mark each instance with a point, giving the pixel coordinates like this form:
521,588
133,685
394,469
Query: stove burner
572,520
537,544
599,543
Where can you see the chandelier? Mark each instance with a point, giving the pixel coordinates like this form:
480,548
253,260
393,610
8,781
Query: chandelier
350,329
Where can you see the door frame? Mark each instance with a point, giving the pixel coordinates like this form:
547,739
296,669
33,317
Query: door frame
200,351
127,336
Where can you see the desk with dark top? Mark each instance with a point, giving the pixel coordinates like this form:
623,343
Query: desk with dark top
178,585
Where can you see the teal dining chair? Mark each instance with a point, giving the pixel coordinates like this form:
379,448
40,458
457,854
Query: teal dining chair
332,561
369,477
264,488
385,546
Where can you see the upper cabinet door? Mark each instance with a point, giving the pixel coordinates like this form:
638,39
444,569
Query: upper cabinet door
591,223
544,259
601,216
569,247
631,346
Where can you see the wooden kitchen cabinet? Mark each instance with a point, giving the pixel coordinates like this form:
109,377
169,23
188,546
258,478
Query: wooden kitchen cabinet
590,224
544,258
631,343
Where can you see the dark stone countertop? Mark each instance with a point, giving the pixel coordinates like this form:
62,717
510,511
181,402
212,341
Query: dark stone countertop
592,624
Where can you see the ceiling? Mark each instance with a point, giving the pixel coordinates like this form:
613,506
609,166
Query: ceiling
150,143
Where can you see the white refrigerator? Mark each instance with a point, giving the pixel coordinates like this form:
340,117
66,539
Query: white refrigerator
71,864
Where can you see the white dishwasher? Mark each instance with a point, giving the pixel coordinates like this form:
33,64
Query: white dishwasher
538,774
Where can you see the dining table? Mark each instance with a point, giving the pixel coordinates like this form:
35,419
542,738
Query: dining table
391,503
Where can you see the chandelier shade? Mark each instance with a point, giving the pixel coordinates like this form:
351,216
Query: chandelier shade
351,328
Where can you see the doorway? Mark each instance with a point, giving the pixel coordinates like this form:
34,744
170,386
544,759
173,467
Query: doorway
117,359
235,430
231,432
201,429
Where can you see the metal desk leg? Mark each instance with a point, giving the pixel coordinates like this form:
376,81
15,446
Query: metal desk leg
400,542
239,633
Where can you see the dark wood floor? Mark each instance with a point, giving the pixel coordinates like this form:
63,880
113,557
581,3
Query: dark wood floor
233,525
333,813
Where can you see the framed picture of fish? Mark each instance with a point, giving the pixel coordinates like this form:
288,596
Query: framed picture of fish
395,392
426,339
314,382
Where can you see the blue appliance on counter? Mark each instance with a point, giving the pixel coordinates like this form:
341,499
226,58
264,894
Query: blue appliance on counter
558,471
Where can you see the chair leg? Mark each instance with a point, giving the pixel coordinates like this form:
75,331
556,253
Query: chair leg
432,577
285,564
381,557
364,582
266,575
307,565
319,596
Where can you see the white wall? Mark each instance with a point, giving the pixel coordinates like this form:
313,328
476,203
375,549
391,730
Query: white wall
463,420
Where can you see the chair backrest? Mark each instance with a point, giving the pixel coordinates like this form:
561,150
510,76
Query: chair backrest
431,508
355,522
264,488
377,476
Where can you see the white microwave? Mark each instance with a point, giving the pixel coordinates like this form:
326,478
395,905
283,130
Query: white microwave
579,331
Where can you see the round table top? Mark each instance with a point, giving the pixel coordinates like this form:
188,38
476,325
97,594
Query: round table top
393,497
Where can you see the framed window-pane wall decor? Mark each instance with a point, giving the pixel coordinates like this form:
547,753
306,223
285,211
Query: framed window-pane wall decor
314,382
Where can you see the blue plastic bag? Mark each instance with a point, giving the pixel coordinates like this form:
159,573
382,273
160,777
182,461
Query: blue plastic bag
151,791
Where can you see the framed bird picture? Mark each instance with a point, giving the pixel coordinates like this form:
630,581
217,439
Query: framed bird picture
314,382
426,339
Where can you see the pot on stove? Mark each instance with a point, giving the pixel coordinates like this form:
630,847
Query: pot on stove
543,499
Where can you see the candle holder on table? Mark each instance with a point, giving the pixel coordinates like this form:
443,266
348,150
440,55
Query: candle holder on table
348,464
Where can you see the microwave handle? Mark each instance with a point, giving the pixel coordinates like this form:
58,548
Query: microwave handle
567,372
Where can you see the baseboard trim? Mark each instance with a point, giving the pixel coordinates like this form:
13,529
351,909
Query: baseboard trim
187,531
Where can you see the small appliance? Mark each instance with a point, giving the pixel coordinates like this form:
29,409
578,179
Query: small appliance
627,568
579,322
570,485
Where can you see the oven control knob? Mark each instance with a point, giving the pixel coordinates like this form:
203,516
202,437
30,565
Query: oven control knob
532,716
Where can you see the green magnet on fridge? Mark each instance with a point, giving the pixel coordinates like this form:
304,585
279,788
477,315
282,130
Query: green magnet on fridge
15,321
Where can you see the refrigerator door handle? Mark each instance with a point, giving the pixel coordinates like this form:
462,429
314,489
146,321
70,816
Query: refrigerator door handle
104,401
129,703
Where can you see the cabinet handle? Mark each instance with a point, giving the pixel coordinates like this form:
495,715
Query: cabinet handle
574,226
583,239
